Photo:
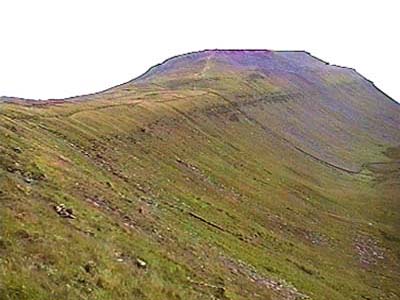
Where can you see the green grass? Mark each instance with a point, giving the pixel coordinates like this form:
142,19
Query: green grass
154,160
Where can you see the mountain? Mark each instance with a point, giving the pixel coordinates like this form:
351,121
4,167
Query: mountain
220,174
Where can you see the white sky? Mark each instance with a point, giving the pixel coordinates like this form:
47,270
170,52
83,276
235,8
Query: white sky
54,49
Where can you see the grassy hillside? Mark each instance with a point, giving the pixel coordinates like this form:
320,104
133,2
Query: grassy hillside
215,175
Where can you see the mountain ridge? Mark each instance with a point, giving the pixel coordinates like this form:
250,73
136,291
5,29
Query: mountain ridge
200,52
240,177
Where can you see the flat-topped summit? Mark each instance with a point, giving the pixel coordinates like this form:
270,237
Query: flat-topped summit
228,60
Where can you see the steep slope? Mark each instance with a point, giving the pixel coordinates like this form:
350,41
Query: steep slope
215,175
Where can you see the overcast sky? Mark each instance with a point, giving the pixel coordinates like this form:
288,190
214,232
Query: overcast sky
55,49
